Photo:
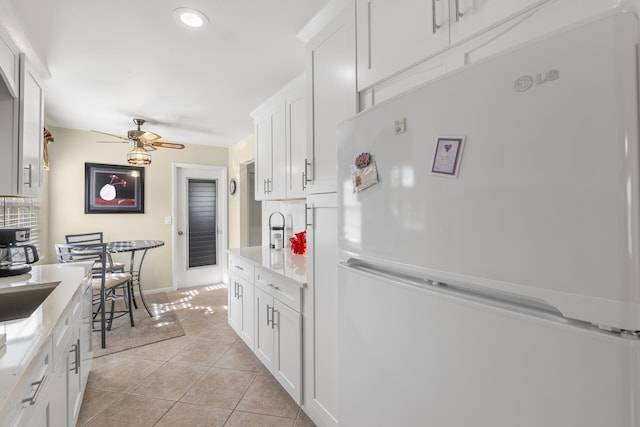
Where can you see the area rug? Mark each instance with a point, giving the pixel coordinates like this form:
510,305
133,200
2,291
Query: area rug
122,336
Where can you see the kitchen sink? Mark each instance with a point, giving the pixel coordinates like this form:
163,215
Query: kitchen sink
21,301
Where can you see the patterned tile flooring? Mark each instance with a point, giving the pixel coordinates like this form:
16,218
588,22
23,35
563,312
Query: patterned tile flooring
208,377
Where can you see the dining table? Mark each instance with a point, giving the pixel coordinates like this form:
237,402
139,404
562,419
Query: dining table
135,247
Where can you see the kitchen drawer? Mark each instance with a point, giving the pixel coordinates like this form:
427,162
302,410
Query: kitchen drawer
285,290
241,267
32,388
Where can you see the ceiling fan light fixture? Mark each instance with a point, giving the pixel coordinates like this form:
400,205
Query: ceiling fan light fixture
139,157
192,18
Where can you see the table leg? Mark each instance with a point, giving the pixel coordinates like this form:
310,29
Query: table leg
135,278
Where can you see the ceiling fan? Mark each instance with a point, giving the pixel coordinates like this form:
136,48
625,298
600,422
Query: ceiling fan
143,141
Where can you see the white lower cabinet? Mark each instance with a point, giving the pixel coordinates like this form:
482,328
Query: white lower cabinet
278,330
241,307
34,405
54,383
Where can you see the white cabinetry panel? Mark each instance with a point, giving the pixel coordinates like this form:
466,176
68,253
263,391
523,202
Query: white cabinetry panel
332,96
470,17
321,312
393,35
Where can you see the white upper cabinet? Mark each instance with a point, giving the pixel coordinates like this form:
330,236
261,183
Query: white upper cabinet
31,124
9,65
21,129
296,143
280,144
9,93
331,96
270,152
394,35
470,17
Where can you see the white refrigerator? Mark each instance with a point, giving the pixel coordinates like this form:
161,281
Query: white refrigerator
489,264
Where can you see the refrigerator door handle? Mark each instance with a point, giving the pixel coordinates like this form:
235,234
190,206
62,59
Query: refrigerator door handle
478,295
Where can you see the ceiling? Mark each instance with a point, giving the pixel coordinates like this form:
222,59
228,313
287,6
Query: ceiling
113,60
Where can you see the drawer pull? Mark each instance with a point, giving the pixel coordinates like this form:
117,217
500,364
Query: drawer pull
32,400
239,268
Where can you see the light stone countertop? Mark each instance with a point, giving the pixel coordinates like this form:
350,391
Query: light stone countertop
281,261
25,337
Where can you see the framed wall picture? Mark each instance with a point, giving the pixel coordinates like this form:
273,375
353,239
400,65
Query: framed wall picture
447,155
113,188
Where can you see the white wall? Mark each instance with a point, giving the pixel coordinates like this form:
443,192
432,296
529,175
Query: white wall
70,151
293,211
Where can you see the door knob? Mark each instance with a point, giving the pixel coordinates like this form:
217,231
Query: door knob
180,233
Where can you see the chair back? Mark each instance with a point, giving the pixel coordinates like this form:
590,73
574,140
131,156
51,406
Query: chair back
96,252
84,238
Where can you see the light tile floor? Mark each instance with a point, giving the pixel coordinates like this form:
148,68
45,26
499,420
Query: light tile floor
208,377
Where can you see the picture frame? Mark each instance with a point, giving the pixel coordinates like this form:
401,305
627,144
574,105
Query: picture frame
447,156
113,188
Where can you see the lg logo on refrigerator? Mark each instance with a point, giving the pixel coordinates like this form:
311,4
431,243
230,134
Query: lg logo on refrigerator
525,83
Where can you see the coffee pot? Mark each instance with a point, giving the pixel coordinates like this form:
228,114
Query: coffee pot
15,256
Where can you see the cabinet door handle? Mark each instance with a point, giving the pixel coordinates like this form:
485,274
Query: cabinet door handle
307,169
269,320
434,25
75,349
78,358
458,13
29,170
32,400
306,217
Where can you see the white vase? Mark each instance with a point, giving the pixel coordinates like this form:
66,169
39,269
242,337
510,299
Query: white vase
108,192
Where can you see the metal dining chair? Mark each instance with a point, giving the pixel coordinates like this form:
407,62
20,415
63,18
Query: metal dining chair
90,238
104,282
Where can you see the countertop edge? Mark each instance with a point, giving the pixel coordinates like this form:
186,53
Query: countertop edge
288,265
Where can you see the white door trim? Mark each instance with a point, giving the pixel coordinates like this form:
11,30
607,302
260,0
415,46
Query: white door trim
222,216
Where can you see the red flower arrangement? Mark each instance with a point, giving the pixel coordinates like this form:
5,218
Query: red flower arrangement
299,243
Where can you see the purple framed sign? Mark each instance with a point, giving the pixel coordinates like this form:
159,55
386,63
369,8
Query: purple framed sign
446,159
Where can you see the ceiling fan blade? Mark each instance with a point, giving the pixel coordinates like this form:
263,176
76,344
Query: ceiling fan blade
115,136
148,147
174,145
149,136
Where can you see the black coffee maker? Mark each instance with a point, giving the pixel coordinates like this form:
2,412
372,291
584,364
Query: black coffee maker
15,256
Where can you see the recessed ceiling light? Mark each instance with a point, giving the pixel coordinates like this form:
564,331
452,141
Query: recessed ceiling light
190,17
